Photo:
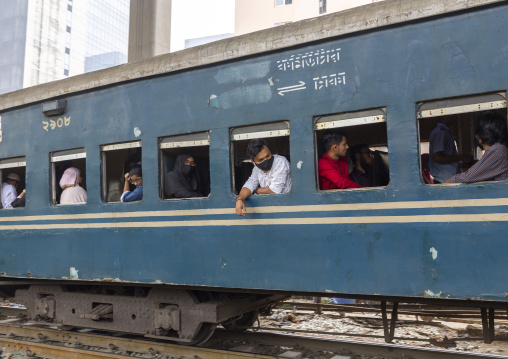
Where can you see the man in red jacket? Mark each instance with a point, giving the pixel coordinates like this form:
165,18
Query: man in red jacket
332,166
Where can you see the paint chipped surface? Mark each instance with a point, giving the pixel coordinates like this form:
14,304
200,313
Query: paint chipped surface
431,294
245,95
270,81
243,73
137,131
73,273
223,263
433,253
213,101
299,165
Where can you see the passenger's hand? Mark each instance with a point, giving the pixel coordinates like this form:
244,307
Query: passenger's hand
127,176
240,208
447,181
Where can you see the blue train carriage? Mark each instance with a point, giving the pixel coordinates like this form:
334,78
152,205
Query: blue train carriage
386,74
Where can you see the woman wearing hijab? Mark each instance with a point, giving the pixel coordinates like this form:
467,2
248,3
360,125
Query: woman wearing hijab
72,193
184,181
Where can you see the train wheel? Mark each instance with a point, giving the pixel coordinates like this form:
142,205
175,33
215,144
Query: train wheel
245,322
207,329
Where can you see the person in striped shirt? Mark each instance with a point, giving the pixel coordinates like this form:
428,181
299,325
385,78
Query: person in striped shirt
490,135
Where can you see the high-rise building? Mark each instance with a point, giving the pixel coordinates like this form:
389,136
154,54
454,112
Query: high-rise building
254,15
47,40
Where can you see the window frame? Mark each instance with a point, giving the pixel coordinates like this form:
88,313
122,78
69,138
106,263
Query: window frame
322,7
108,148
60,156
243,133
458,105
9,163
195,139
284,3
345,120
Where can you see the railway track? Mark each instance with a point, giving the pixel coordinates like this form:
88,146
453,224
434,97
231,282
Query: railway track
37,341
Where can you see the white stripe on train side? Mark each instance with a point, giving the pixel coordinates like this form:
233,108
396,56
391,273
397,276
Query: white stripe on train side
444,218
487,202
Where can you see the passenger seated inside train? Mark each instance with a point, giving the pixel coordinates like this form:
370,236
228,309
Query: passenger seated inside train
270,175
185,181
490,135
134,176
72,193
333,165
443,156
9,194
363,160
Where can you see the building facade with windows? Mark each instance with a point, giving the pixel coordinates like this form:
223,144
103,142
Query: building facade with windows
254,15
42,41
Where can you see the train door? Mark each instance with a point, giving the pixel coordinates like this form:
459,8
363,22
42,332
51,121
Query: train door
275,134
14,166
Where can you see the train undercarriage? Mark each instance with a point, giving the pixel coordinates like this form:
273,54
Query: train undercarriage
184,316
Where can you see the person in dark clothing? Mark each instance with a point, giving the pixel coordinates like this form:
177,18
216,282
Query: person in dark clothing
362,158
185,181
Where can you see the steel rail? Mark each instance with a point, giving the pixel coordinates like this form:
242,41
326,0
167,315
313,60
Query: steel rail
355,347
41,341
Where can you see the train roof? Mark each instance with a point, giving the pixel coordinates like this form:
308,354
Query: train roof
363,18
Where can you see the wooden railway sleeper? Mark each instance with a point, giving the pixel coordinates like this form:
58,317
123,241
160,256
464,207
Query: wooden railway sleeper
389,329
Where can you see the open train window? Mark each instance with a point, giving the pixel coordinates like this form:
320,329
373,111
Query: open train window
12,169
275,134
367,156
450,123
62,175
118,159
184,166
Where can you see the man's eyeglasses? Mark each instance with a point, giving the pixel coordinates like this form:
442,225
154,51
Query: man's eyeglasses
137,180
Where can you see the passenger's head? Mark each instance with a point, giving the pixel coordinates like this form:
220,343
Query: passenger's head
135,176
260,154
361,154
448,121
335,143
490,129
12,179
185,163
70,178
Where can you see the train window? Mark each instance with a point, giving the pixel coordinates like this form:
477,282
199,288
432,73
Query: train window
450,123
118,159
184,165
13,174
367,156
275,134
64,176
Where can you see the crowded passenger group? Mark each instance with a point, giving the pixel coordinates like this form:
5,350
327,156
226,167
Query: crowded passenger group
339,167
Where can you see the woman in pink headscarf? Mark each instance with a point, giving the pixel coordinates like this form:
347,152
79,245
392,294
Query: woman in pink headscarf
72,192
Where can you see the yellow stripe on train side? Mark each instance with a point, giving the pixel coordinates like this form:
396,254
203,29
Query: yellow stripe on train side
444,218
488,202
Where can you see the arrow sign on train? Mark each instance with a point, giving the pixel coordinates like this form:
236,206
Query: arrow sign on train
300,86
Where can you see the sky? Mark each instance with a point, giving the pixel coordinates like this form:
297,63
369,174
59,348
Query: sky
199,18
